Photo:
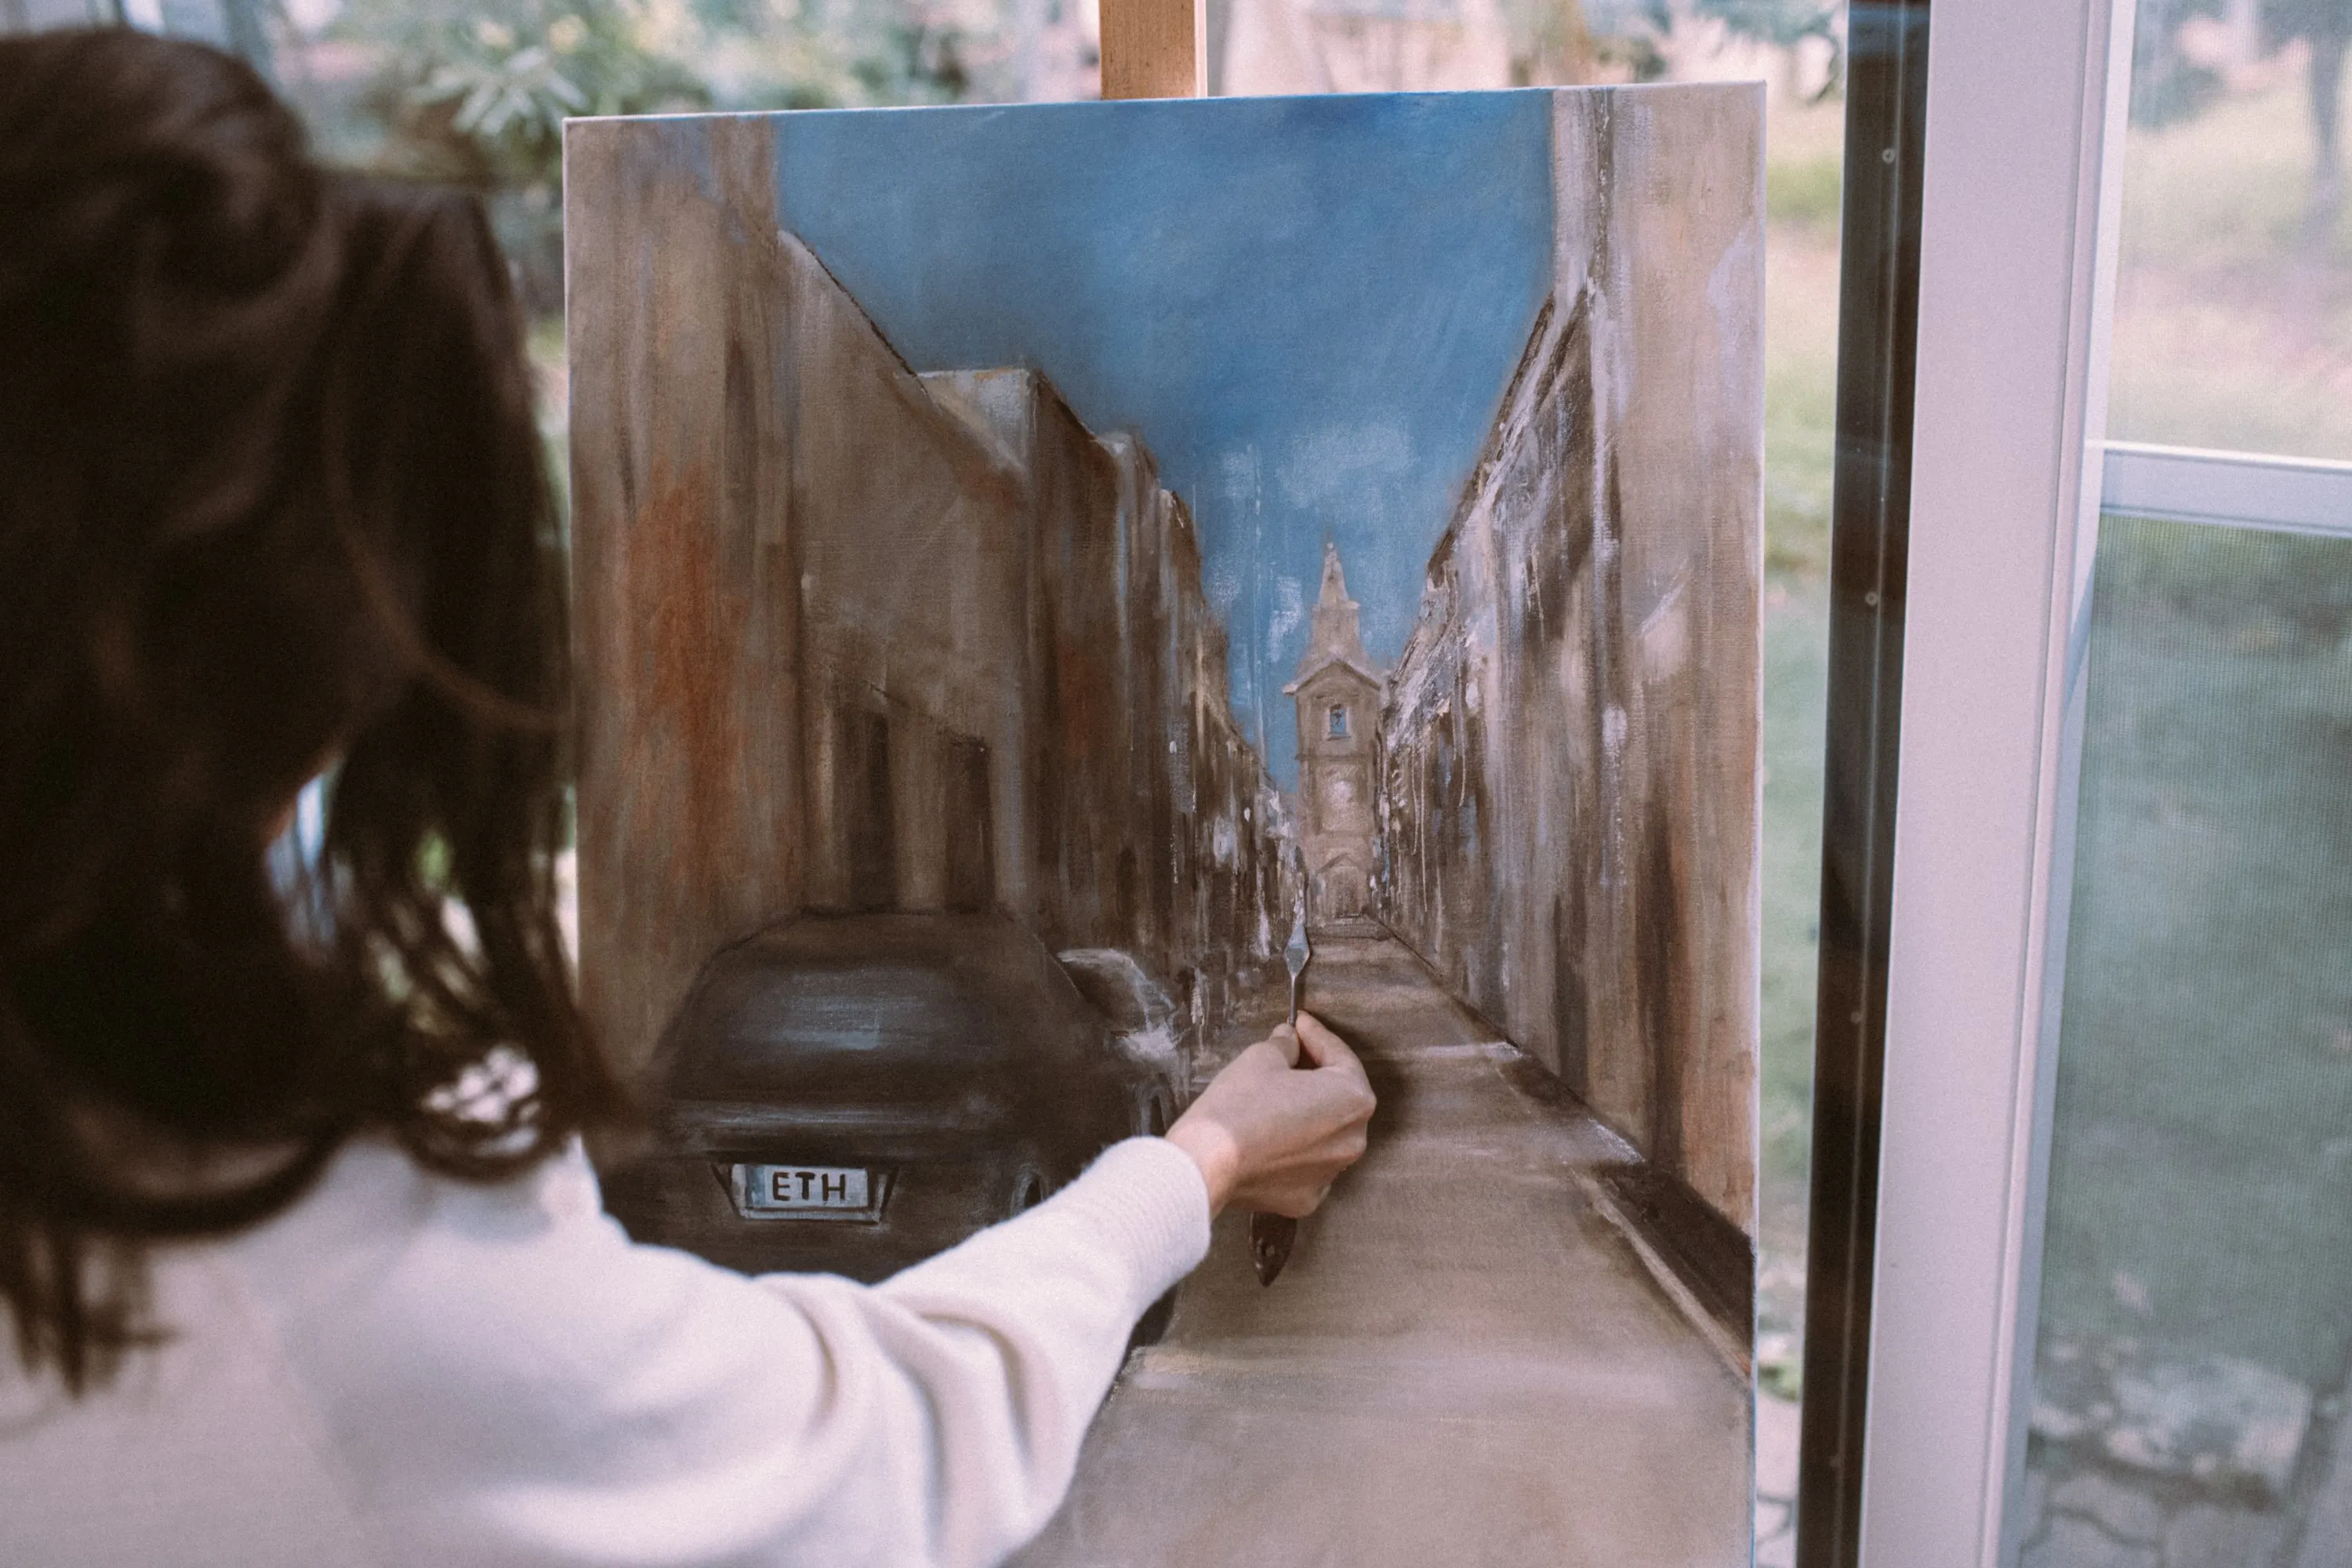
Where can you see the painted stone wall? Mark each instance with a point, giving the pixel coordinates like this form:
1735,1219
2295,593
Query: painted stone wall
1570,773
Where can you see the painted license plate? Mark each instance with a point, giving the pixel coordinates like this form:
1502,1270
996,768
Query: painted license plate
807,1192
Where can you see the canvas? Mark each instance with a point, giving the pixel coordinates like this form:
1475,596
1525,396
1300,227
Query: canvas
1026,561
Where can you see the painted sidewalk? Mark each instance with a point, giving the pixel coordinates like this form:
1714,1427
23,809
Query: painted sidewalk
1464,1363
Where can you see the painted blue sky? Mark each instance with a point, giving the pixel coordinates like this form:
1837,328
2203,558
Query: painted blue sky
1307,307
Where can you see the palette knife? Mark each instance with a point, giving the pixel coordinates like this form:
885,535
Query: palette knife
1271,1235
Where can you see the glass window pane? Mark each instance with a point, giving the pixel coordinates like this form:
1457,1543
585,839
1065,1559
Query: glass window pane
2196,1323
2233,306
1804,186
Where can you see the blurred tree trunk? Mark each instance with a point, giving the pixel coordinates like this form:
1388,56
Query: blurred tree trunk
2327,51
1550,45
247,23
2326,27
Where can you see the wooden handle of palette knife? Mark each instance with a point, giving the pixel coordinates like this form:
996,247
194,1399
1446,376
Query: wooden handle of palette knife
1272,1236
1155,49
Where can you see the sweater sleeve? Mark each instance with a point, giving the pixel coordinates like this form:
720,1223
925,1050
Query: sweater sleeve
522,1384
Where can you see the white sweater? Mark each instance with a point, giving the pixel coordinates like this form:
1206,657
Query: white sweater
405,1370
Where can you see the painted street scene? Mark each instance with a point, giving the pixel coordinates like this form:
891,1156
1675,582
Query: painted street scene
1014,593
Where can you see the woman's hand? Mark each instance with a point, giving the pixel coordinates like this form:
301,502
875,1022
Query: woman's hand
1270,1137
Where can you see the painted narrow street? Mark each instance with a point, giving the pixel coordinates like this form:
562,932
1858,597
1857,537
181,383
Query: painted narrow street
1466,1362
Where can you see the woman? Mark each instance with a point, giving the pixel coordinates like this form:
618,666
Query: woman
271,503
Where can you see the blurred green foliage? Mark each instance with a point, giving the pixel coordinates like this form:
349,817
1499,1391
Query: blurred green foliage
1809,191
476,92
1626,31
478,89
1783,22
2247,589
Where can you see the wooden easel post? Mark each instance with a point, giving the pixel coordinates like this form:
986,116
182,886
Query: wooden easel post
1155,49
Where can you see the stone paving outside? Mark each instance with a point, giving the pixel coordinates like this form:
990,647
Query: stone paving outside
2082,1513
1775,1481
1464,1363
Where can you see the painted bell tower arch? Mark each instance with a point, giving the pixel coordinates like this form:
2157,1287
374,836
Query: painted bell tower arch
1337,692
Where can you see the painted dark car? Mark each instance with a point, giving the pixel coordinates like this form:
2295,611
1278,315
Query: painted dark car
851,1094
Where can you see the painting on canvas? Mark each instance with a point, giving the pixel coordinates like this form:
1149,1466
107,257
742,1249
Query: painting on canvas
1027,562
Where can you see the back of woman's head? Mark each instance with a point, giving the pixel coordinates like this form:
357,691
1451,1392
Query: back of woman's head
272,501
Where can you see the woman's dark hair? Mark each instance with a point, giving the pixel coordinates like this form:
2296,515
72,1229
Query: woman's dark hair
271,500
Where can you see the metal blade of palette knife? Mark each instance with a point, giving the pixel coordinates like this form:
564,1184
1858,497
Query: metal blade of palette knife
1272,1235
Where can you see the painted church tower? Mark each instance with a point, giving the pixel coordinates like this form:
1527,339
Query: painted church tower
1339,696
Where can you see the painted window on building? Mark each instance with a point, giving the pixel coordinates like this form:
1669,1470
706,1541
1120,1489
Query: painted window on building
1339,722
971,825
869,818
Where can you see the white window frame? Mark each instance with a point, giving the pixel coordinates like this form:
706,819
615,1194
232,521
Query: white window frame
2229,489
2021,204
2024,119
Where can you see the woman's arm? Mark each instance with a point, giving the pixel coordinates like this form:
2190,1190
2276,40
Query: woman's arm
505,1378
1004,1346
508,1379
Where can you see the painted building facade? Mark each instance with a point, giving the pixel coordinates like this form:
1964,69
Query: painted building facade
1569,767
854,637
